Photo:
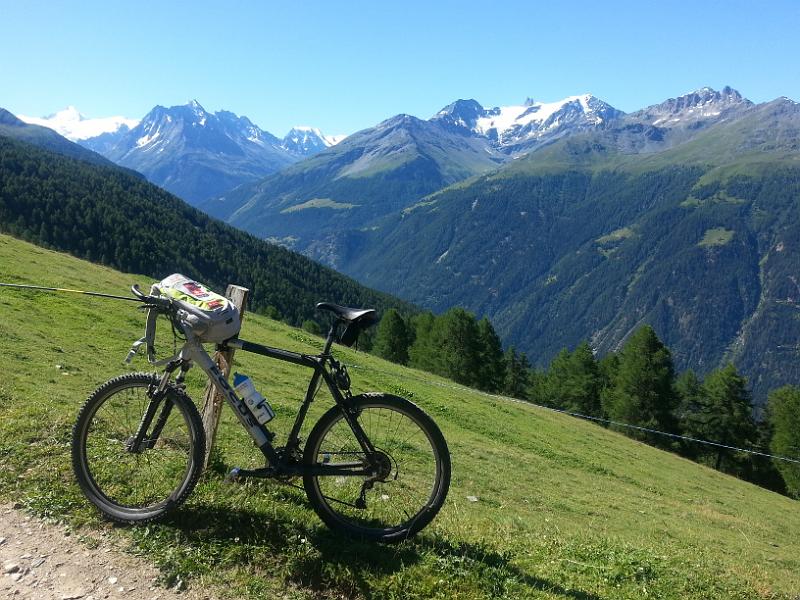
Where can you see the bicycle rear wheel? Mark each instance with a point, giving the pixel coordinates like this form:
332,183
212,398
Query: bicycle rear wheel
136,487
413,481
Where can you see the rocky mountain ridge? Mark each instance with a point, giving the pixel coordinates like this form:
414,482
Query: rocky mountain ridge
187,150
517,129
393,165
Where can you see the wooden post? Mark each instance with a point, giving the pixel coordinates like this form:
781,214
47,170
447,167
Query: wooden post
212,399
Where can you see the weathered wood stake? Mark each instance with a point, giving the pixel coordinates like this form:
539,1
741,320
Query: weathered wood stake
212,399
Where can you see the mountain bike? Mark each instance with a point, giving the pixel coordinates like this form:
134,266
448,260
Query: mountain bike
375,466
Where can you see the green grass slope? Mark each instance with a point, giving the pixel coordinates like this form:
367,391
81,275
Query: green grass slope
565,509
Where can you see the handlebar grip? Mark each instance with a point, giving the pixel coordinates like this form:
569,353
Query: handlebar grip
137,292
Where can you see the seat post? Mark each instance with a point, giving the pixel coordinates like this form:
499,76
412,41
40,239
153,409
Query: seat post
331,336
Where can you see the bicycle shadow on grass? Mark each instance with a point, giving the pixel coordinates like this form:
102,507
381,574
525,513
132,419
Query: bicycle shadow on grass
312,556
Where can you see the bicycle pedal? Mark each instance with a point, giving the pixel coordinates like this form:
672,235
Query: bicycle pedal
233,476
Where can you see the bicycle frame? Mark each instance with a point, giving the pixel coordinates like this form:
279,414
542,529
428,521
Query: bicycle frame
280,464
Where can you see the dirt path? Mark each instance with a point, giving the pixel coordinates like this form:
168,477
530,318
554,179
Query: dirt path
40,561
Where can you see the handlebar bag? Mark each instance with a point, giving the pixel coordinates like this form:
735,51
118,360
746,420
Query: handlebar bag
212,318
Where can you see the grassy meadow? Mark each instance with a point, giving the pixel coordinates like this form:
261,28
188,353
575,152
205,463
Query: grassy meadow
565,509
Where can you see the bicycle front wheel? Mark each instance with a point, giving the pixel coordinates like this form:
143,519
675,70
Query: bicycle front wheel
414,477
137,486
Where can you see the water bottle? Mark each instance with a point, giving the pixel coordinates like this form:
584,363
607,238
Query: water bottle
257,404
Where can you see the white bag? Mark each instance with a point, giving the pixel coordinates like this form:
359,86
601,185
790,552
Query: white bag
212,318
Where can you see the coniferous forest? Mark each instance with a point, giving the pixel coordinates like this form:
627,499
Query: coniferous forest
636,386
109,216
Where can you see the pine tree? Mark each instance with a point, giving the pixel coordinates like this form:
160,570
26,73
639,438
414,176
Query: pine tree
517,380
270,312
311,326
784,416
366,339
491,370
726,415
607,368
421,353
454,341
688,387
537,387
762,470
641,391
391,338
573,381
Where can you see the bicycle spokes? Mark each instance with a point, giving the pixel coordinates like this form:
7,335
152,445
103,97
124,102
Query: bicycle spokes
143,474
402,476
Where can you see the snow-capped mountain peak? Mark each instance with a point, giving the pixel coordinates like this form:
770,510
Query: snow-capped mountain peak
505,123
68,114
200,114
74,126
461,114
304,140
195,153
529,123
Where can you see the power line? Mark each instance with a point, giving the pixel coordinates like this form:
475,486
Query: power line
589,417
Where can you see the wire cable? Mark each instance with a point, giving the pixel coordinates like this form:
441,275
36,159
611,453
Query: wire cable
667,434
40,288
453,387
589,417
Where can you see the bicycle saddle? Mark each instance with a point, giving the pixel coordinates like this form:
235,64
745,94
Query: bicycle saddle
361,316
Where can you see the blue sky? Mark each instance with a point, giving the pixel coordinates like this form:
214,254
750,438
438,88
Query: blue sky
343,66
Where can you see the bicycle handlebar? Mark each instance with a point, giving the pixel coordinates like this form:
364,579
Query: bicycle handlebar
137,292
156,300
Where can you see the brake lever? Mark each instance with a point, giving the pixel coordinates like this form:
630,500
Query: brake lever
148,306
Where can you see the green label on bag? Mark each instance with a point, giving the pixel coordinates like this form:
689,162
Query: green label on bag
180,287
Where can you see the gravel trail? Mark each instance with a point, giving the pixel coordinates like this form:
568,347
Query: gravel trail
42,561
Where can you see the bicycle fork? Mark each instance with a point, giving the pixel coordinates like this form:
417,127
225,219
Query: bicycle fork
140,440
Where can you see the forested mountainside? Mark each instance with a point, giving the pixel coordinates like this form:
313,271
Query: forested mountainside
682,215
370,174
110,216
586,240
315,205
